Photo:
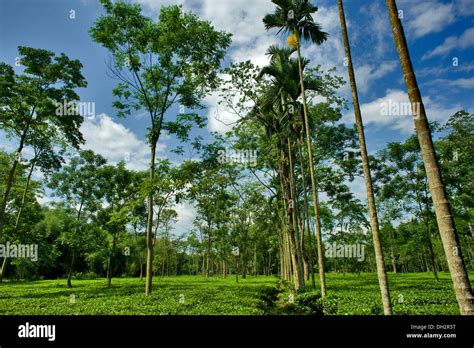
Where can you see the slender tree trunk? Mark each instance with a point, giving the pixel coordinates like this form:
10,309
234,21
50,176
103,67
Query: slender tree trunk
295,216
150,242
255,261
392,251
379,259
314,187
392,258
110,262
6,260
139,254
11,174
306,214
208,254
164,258
71,267
430,249
293,244
3,271
10,180
444,217
237,267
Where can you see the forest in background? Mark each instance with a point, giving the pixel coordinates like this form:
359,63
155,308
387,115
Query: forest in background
272,196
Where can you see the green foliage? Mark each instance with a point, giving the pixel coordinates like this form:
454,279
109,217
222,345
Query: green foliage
311,302
165,60
196,295
173,296
295,17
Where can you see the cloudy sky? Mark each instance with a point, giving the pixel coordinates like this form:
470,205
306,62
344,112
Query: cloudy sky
440,36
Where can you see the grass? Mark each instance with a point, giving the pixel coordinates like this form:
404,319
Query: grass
412,293
184,295
194,295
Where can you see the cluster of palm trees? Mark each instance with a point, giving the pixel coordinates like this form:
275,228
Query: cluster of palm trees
282,110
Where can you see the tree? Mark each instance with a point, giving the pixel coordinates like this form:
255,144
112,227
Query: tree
79,184
444,216
404,180
157,64
295,18
117,189
48,148
22,202
28,104
169,217
280,101
374,224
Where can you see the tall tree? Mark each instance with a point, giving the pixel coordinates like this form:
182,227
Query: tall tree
295,18
401,169
117,189
28,103
444,216
79,184
374,224
160,63
49,146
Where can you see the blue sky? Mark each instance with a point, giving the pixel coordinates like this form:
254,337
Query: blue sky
437,32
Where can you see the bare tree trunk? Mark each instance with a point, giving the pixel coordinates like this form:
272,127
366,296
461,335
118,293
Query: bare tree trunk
314,187
237,267
295,216
150,240
255,261
208,254
444,217
430,249
71,267
293,245
3,271
306,214
379,259
392,252
110,262
392,258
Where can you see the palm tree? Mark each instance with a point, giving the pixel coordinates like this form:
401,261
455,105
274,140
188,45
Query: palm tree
278,102
374,224
444,217
294,17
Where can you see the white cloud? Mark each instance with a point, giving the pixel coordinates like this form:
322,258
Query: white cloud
220,119
357,187
241,18
372,112
451,43
154,6
331,53
426,17
439,70
367,74
186,215
465,83
432,16
115,142
375,31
